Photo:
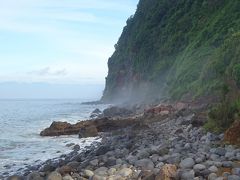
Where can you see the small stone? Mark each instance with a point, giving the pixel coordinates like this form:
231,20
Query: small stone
159,165
102,171
112,171
88,173
34,176
227,164
187,163
218,164
213,169
199,167
233,177
188,175
125,172
97,177
220,151
236,171
94,162
212,176
67,177
146,164
54,176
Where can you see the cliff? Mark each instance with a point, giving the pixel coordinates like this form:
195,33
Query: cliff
171,48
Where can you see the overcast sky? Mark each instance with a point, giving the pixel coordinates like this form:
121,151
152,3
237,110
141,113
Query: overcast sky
59,41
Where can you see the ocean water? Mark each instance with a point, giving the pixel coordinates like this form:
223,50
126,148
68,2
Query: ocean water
21,122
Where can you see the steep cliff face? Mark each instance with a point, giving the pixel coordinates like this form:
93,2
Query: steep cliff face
175,47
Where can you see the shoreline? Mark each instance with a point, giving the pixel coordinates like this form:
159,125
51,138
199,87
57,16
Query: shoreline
165,143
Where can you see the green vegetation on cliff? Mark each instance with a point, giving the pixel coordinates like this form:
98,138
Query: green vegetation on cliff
176,47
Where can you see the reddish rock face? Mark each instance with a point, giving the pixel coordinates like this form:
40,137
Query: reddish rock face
159,110
232,135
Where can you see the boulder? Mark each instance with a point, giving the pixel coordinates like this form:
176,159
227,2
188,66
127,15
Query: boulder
88,131
232,135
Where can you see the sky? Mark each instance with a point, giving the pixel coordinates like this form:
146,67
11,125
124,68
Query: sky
59,42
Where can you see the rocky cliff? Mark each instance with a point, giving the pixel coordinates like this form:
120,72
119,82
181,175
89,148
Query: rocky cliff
170,48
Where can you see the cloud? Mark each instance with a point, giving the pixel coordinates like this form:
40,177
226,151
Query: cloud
47,71
70,40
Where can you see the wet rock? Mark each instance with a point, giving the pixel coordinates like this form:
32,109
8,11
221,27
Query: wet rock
94,162
187,163
47,168
76,148
54,176
34,176
95,113
88,131
102,150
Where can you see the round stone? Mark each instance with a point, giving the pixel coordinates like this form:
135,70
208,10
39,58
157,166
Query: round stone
199,167
187,163
125,172
213,169
54,176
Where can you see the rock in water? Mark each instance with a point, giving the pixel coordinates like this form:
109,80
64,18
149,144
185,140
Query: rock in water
88,131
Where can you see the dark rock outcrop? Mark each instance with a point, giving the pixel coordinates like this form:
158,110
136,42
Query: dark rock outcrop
88,128
88,131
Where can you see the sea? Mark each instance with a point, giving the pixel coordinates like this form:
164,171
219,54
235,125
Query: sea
21,121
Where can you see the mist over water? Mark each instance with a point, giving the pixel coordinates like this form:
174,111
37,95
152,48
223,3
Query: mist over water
21,122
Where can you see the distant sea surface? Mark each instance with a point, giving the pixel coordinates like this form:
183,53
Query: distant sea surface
21,122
